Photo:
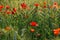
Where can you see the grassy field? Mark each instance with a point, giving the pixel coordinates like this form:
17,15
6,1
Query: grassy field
29,19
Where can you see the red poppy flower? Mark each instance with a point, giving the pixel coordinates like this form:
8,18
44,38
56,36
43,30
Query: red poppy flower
23,5
36,4
1,6
44,6
14,9
56,32
33,24
7,6
32,30
55,3
13,12
8,12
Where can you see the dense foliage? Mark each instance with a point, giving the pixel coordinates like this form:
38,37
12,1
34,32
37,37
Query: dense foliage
29,20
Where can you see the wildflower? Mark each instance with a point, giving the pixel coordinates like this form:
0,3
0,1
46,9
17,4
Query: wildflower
55,5
36,4
7,28
56,32
1,6
7,6
8,12
24,6
32,30
14,9
13,12
33,24
44,6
